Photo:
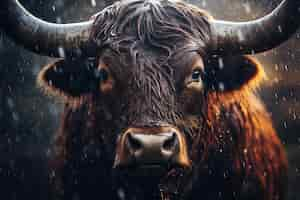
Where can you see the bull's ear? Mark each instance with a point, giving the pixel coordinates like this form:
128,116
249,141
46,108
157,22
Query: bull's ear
69,78
227,74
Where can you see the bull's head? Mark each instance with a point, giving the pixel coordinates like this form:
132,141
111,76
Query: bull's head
152,64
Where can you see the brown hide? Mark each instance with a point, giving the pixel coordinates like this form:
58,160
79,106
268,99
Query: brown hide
232,144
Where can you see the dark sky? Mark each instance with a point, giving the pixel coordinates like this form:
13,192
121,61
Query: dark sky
28,118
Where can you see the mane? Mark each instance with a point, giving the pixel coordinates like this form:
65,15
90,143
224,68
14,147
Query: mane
240,130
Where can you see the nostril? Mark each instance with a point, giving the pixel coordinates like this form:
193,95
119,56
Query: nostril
170,143
133,143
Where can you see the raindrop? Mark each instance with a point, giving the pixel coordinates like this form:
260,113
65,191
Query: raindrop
93,2
58,20
221,63
240,36
15,116
221,86
10,102
61,52
280,29
247,7
121,193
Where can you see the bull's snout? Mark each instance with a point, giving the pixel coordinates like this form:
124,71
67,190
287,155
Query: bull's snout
150,148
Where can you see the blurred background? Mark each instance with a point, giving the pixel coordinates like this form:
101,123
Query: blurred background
28,119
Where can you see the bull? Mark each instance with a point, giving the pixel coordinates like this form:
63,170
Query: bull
160,101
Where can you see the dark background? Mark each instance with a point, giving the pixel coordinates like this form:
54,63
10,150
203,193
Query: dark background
28,118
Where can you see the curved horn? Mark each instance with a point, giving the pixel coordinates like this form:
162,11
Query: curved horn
55,40
257,35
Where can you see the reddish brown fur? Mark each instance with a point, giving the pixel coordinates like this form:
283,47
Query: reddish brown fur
246,136
232,144
258,151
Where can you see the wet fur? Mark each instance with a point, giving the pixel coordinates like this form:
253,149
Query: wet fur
235,151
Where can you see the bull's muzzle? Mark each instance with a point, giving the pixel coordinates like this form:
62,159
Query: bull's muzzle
151,148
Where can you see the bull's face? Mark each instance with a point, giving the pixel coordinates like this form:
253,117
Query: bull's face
155,112
148,68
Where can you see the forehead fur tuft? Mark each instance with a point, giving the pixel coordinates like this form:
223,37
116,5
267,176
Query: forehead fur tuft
153,24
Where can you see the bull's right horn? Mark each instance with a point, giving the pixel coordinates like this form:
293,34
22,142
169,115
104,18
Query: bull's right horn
56,40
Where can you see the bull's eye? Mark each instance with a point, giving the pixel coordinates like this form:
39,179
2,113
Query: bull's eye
105,79
103,74
194,80
196,75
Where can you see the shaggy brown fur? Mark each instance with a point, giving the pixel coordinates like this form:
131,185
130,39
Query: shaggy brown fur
233,147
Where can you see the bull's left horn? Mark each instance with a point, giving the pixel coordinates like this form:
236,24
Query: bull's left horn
56,40
257,35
